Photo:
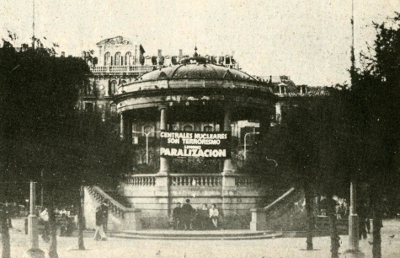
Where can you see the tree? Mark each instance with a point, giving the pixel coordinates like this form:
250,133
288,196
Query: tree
44,133
375,97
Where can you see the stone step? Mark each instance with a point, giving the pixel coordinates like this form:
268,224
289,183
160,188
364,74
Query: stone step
199,235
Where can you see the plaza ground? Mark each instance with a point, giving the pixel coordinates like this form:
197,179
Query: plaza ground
277,247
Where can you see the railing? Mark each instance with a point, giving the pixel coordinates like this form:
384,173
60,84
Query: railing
141,180
208,180
124,69
196,179
243,180
114,206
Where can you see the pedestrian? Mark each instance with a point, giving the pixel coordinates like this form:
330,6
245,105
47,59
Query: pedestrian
362,214
99,234
187,215
214,214
177,216
104,209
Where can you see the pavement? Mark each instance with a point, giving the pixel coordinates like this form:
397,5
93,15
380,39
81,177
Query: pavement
267,248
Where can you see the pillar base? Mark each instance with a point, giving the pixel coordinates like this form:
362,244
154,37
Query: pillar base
353,254
353,244
34,253
258,220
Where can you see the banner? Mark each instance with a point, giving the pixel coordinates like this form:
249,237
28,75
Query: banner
195,144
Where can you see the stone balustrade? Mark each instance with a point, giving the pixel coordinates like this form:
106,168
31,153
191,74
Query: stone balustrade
242,180
195,180
141,180
123,69
179,180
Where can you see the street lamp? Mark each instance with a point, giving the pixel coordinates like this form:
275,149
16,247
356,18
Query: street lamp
147,142
245,144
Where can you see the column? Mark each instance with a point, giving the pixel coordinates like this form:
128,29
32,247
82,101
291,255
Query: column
128,132
228,166
121,126
162,178
164,163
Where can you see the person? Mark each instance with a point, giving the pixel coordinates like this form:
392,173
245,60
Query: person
204,217
362,214
187,214
44,218
99,234
66,226
214,214
176,215
104,208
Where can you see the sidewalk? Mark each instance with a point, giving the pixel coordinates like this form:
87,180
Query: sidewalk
278,247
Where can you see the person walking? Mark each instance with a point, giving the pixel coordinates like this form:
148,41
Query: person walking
177,216
104,209
214,214
99,234
187,215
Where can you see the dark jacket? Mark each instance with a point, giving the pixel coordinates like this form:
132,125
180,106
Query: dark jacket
99,217
177,213
187,210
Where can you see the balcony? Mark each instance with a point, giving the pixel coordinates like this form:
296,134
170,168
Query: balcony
123,70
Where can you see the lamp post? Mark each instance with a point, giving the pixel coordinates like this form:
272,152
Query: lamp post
245,144
147,142
33,251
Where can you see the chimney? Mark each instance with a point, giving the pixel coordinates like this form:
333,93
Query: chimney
62,54
180,54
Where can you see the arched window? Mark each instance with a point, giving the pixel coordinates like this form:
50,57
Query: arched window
208,128
188,128
107,59
128,58
118,58
112,89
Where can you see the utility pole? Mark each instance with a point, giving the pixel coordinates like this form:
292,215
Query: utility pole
33,26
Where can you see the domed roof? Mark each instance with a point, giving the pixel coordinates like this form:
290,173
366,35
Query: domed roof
196,67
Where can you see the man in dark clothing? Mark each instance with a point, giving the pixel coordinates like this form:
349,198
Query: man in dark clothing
177,216
362,214
187,214
104,209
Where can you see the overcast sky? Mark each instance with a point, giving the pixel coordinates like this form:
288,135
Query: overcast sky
309,40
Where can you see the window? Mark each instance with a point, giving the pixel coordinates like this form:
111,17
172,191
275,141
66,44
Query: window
188,128
208,128
128,58
118,58
112,89
107,59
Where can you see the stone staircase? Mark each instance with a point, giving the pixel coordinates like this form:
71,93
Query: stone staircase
119,217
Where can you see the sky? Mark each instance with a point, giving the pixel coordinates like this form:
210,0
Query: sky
308,40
